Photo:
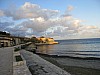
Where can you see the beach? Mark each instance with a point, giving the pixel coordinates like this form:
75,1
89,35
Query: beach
75,66
78,57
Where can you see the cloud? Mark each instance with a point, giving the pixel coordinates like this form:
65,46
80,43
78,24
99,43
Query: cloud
88,32
70,8
46,22
1,13
28,11
52,27
38,24
5,25
76,22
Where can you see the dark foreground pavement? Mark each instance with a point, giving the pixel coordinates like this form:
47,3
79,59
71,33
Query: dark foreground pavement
6,61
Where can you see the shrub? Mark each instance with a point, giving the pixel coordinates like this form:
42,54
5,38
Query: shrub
16,49
18,58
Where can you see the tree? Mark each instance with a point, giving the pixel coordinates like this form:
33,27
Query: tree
34,40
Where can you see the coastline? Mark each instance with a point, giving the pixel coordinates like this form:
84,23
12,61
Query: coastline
74,57
75,66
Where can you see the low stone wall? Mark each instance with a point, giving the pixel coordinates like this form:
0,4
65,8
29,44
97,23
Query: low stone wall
20,68
39,66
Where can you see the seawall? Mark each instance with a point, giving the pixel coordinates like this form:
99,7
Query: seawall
39,66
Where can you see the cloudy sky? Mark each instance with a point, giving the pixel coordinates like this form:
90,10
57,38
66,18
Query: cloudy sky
60,19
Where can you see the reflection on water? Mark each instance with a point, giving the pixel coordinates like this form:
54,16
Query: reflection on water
45,49
69,48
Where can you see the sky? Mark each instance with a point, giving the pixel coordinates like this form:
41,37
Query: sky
59,19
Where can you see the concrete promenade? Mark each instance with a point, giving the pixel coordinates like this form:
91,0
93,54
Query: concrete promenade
6,61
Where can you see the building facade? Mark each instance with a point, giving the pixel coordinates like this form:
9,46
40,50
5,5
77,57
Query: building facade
6,40
47,40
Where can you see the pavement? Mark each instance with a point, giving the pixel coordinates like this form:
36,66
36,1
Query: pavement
6,61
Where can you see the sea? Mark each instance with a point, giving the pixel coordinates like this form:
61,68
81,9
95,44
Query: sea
82,48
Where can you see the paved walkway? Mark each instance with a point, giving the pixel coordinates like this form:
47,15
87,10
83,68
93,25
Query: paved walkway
6,61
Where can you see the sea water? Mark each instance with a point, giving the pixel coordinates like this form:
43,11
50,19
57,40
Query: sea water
73,48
